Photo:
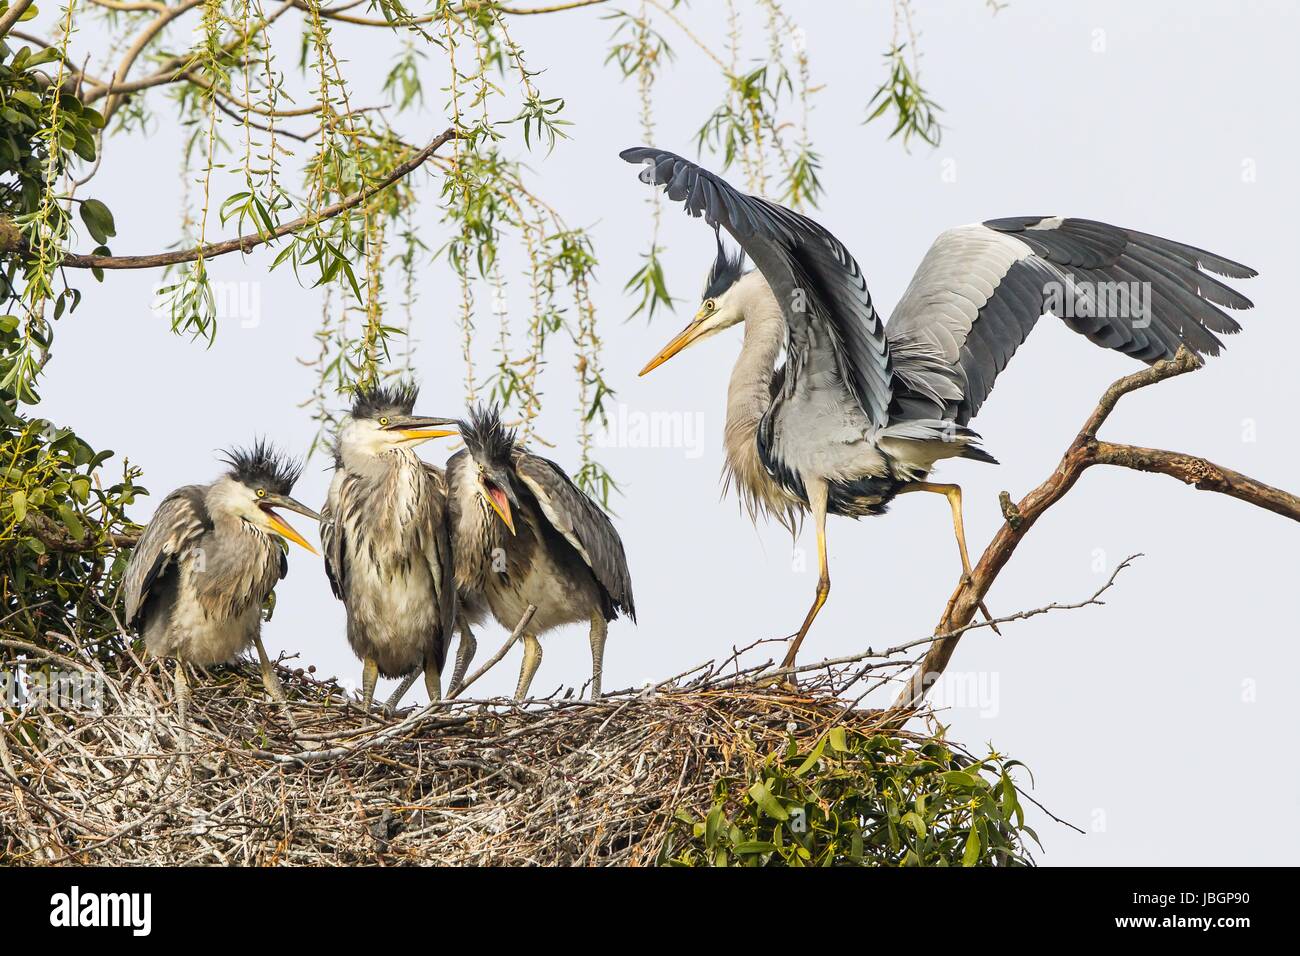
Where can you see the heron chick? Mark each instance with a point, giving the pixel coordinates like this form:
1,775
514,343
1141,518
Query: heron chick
207,561
523,534
386,541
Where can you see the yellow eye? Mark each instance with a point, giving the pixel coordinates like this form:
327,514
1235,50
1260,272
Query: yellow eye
383,421
261,492
710,305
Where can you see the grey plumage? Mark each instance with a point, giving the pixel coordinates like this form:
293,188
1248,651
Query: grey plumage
386,542
981,288
207,561
861,412
562,555
198,576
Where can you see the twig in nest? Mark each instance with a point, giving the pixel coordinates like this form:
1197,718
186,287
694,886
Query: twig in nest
505,648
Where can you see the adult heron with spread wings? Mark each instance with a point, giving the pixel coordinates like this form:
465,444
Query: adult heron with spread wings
861,411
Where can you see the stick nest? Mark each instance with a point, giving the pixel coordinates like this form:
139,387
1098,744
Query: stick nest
558,782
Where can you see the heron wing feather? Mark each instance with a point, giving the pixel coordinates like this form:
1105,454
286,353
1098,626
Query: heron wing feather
583,524
981,288
174,529
821,290
331,532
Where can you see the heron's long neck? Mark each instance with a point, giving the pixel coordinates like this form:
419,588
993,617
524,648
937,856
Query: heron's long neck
750,393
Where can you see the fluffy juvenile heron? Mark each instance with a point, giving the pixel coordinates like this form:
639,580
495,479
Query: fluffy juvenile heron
861,411
207,561
523,534
385,536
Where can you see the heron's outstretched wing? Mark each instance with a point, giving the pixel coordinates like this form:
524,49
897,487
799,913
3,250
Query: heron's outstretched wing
331,531
817,282
583,524
174,530
981,287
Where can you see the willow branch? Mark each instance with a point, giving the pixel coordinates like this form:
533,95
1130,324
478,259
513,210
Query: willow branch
143,5
174,69
337,13
1084,452
145,37
252,241
13,14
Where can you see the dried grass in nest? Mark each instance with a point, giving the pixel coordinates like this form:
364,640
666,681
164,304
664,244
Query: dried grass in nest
559,782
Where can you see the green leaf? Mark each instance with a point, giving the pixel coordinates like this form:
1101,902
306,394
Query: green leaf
98,220
769,804
971,854
71,522
813,757
838,739
18,503
960,778
914,821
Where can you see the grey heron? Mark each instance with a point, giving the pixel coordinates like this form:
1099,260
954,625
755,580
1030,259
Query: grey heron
523,534
207,561
861,411
385,536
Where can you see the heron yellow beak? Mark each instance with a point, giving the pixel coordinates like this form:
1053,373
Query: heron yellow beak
282,527
285,530
496,498
424,434
418,428
685,337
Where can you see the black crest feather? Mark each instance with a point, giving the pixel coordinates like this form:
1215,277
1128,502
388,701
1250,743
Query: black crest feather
489,441
727,269
376,401
262,466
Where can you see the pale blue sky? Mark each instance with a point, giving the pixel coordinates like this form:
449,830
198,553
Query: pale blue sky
1157,723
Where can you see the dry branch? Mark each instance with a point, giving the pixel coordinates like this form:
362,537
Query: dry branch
253,240
1084,452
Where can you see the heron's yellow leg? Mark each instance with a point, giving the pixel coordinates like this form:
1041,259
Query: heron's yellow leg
182,699
432,676
407,683
465,650
182,687
271,682
369,677
953,494
818,501
599,631
532,658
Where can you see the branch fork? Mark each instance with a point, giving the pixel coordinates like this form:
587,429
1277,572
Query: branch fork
1085,451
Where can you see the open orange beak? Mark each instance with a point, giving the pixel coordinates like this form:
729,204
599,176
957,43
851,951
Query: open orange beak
414,428
282,527
499,503
285,530
683,338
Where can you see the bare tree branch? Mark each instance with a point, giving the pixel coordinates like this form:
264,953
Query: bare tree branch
13,14
1082,454
252,241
